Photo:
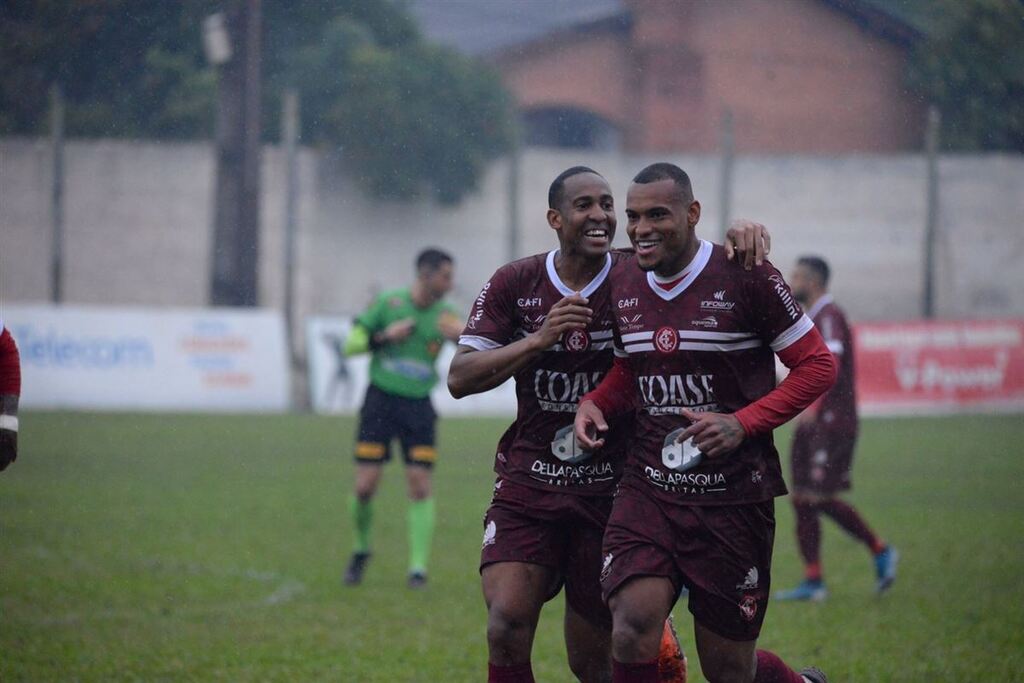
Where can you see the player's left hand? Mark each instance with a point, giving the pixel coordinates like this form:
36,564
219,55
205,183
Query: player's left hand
749,240
714,434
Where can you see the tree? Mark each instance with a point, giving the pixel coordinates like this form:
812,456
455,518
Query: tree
408,116
972,69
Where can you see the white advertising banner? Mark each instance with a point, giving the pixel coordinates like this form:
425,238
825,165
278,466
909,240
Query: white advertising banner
217,359
337,384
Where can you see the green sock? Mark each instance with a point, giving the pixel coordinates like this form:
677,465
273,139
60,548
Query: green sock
421,530
362,516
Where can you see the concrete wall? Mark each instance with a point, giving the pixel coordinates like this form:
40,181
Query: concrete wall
138,225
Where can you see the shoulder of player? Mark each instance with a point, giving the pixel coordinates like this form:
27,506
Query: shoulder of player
833,311
514,274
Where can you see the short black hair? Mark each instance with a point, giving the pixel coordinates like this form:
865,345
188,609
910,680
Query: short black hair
666,171
818,266
556,193
432,259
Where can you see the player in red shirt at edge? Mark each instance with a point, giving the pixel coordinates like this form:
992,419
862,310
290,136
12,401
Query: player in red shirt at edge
546,320
10,388
695,341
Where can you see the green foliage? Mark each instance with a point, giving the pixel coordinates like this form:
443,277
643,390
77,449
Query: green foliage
407,116
972,68
210,548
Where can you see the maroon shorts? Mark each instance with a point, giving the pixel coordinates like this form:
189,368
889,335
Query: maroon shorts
721,553
558,530
822,459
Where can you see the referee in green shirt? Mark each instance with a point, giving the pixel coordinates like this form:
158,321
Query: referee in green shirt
404,329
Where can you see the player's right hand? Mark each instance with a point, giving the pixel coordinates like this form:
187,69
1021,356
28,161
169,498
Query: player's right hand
588,425
8,447
399,330
570,313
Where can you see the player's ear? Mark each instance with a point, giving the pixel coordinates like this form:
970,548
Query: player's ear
555,219
693,213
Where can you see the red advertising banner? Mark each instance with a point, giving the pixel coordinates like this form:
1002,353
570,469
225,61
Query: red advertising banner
940,367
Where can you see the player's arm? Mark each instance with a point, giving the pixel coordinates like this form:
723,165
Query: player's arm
476,368
812,370
369,332
10,390
615,395
747,242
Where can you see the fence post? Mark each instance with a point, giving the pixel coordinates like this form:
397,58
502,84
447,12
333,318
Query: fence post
57,194
727,144
931,143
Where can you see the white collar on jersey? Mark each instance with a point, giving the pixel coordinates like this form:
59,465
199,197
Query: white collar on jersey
821,303
591,286
691,271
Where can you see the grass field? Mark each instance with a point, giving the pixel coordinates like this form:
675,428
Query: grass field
144,547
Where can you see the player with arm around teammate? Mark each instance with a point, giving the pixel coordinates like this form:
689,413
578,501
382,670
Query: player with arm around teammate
10,390
823,446
404,330
695,346
545,320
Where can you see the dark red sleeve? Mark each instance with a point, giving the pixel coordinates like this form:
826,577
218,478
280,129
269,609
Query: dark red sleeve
812,372
10,365
616,394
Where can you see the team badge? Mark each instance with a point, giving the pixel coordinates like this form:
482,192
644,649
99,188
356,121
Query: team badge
666,339
577,340
748,607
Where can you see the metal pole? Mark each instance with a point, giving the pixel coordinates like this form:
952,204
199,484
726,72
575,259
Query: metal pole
236,215
289,138
931,143
57,193
725,179
514,171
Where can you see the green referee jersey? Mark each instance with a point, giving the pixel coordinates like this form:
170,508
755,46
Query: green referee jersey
407,367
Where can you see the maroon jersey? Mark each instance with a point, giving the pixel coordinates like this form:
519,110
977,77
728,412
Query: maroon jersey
706,344
838,407
539,449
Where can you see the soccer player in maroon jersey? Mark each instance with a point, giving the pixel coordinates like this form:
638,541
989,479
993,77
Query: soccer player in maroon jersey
695,345
823,445
546,320
10,389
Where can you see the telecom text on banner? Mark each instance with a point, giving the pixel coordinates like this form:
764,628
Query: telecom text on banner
940,367
110,358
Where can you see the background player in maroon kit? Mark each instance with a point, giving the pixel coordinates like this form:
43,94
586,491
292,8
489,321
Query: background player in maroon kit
546,321
10,389
695,345
823,445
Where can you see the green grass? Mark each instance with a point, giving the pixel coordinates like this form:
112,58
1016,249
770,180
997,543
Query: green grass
156,547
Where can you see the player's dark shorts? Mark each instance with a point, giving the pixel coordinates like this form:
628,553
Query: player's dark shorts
385,417
822,459
721,553
558,530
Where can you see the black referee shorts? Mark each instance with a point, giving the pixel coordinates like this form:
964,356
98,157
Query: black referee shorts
385,417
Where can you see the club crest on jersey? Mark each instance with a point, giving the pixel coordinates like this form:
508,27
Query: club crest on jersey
666,339
748,607
577,340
